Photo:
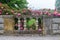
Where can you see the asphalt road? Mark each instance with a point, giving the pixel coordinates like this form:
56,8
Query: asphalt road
29,37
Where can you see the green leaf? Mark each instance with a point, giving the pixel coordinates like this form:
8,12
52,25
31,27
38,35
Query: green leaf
11,3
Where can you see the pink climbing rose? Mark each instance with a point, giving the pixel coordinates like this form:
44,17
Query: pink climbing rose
19,14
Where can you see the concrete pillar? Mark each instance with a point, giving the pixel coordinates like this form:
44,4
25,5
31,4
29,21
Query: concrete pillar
24,23
36,23
18,23
44,27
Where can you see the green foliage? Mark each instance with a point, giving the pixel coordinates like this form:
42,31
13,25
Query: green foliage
15,4
9,13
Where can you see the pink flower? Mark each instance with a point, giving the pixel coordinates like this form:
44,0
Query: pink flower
39,29
49,14
58,14
21,28
46,12
55,12
41,13
19,14
0,13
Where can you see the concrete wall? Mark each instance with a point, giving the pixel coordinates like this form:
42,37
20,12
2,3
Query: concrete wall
51,25
2,22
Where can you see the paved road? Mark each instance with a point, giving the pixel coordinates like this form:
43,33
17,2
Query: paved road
29,38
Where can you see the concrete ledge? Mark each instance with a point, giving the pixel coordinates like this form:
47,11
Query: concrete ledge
6,16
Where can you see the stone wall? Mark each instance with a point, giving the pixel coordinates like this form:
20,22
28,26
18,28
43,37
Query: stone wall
51,25
2,22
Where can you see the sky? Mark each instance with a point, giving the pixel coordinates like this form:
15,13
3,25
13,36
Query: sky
40,4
